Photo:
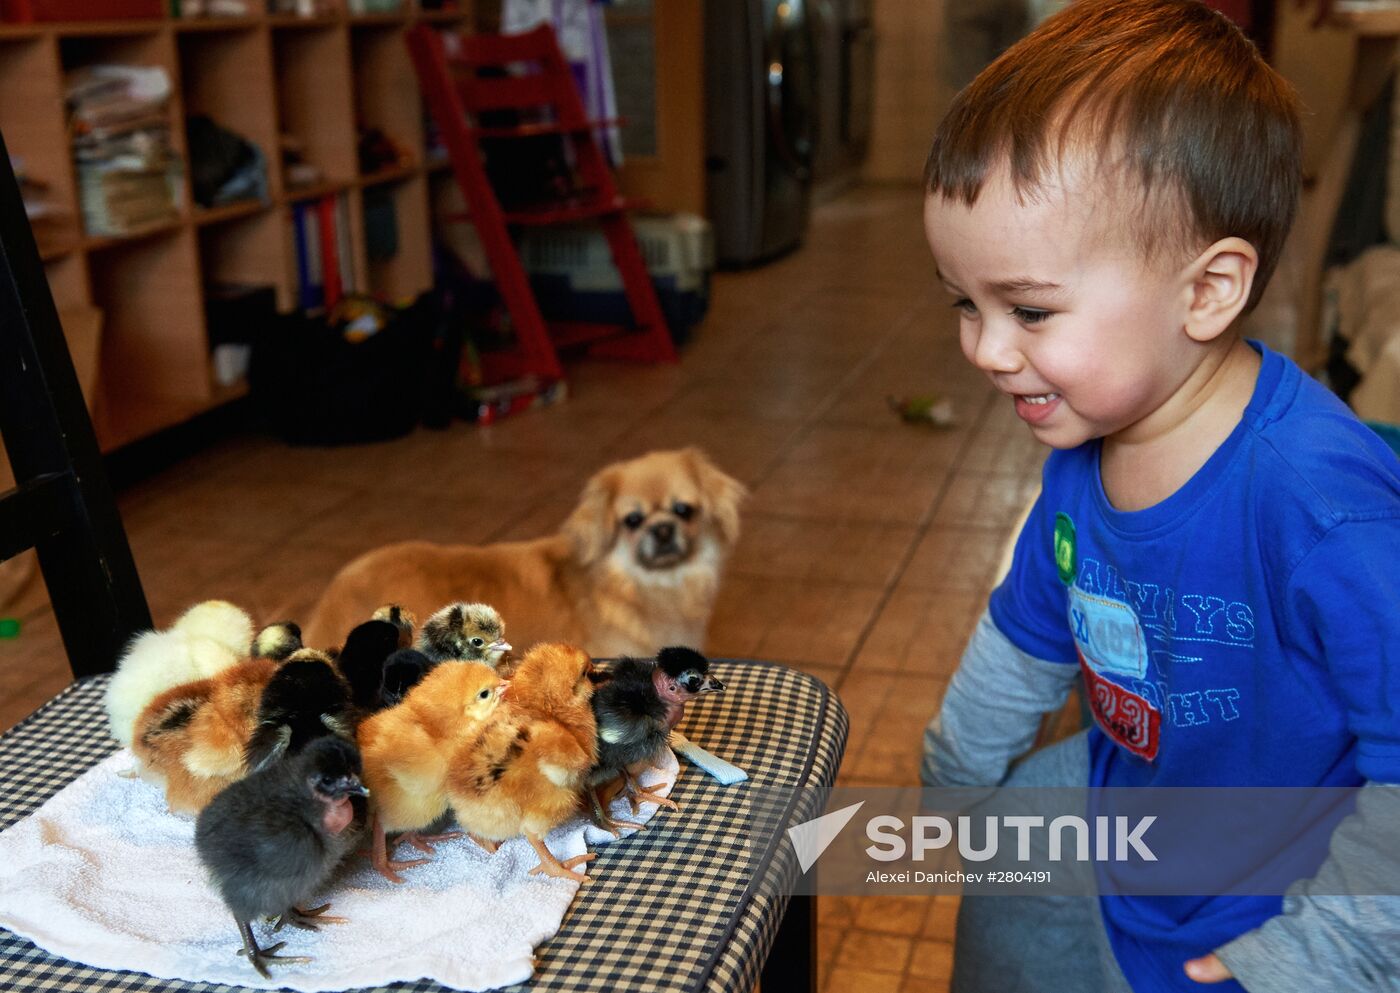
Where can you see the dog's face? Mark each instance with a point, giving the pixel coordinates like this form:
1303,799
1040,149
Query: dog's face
657,512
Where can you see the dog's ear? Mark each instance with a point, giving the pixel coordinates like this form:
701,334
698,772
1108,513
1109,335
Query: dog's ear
724,494
591,526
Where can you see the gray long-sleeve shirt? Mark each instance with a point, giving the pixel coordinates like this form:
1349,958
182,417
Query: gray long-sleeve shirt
1320,943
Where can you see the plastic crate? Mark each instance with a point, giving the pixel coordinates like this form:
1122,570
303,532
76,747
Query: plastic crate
573,276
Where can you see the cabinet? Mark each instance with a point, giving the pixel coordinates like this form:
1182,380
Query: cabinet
317,79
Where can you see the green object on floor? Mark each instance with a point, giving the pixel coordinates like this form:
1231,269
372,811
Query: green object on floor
9,627
930,409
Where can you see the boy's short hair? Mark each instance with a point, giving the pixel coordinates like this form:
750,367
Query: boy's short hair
1207,129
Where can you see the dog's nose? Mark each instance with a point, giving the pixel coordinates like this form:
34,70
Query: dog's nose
663,531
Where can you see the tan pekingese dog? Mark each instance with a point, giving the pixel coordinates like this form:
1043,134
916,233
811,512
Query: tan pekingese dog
633,569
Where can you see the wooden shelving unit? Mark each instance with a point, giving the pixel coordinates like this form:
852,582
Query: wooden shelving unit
317,79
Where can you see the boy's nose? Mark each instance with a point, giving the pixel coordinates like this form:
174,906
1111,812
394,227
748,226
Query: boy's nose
995,349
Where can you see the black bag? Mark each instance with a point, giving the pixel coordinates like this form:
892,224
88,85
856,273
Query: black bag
315,387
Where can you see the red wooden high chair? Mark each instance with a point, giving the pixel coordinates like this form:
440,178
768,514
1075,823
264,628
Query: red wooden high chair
528,74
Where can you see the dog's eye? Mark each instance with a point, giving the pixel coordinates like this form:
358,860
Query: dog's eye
633,520
683,510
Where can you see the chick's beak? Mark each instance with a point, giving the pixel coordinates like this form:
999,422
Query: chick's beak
499,645
350,786
709,685
501,688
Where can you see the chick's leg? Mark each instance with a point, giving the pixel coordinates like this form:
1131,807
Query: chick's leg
261,956
379,856
425,842
551,866
485,843
601,798
636,795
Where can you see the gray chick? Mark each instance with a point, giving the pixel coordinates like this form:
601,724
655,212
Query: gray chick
467,632
272,840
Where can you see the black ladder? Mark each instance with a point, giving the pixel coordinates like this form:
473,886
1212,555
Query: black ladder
62,504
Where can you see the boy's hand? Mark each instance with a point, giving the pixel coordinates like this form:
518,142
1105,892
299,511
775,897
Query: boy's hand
1208,969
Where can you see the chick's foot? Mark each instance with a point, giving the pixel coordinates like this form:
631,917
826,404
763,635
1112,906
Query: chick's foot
307,920
602,819
260,957
551,866
636,796
425,842
379,856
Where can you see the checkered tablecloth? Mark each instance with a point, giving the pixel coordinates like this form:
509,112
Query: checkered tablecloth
687,904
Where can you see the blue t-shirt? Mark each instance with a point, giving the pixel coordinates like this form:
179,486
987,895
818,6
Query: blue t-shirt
1243,632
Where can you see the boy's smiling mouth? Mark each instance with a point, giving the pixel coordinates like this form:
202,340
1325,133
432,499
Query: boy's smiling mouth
1036,407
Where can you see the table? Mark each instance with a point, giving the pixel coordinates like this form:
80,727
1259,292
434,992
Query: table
679,906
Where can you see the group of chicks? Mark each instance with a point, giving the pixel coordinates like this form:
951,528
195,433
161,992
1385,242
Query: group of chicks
291,755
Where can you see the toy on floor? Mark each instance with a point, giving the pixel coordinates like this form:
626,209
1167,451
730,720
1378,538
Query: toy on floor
928,409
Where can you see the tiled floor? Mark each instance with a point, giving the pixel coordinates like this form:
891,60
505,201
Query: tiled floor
868,549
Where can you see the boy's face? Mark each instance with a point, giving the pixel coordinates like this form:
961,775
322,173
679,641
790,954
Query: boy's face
1061,309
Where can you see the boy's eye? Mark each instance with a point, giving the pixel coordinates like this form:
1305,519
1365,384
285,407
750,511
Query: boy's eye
1027,315
966,306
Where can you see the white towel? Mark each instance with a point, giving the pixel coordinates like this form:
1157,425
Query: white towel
104,875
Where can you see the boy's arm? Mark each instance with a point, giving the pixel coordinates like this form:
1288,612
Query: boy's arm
1340,930
991,710
1334,930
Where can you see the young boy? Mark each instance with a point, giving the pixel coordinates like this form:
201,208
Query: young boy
1217,543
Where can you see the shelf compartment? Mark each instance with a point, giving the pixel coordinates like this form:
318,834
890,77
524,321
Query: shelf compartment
247,250
386,89
398,213
227,76
32,121
348,248
154,361
147,50
313,78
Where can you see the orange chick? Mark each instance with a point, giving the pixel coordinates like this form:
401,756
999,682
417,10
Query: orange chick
406,749
191,737
523,772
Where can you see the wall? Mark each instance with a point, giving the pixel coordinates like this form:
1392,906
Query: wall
910,92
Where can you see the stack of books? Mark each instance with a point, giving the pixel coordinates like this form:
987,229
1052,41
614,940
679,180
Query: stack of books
129,174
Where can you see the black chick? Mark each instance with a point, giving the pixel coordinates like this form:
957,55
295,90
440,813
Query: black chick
636,708
402,671
305,699
272,840
361,660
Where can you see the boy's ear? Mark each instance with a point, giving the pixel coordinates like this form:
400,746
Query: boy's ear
1221,279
